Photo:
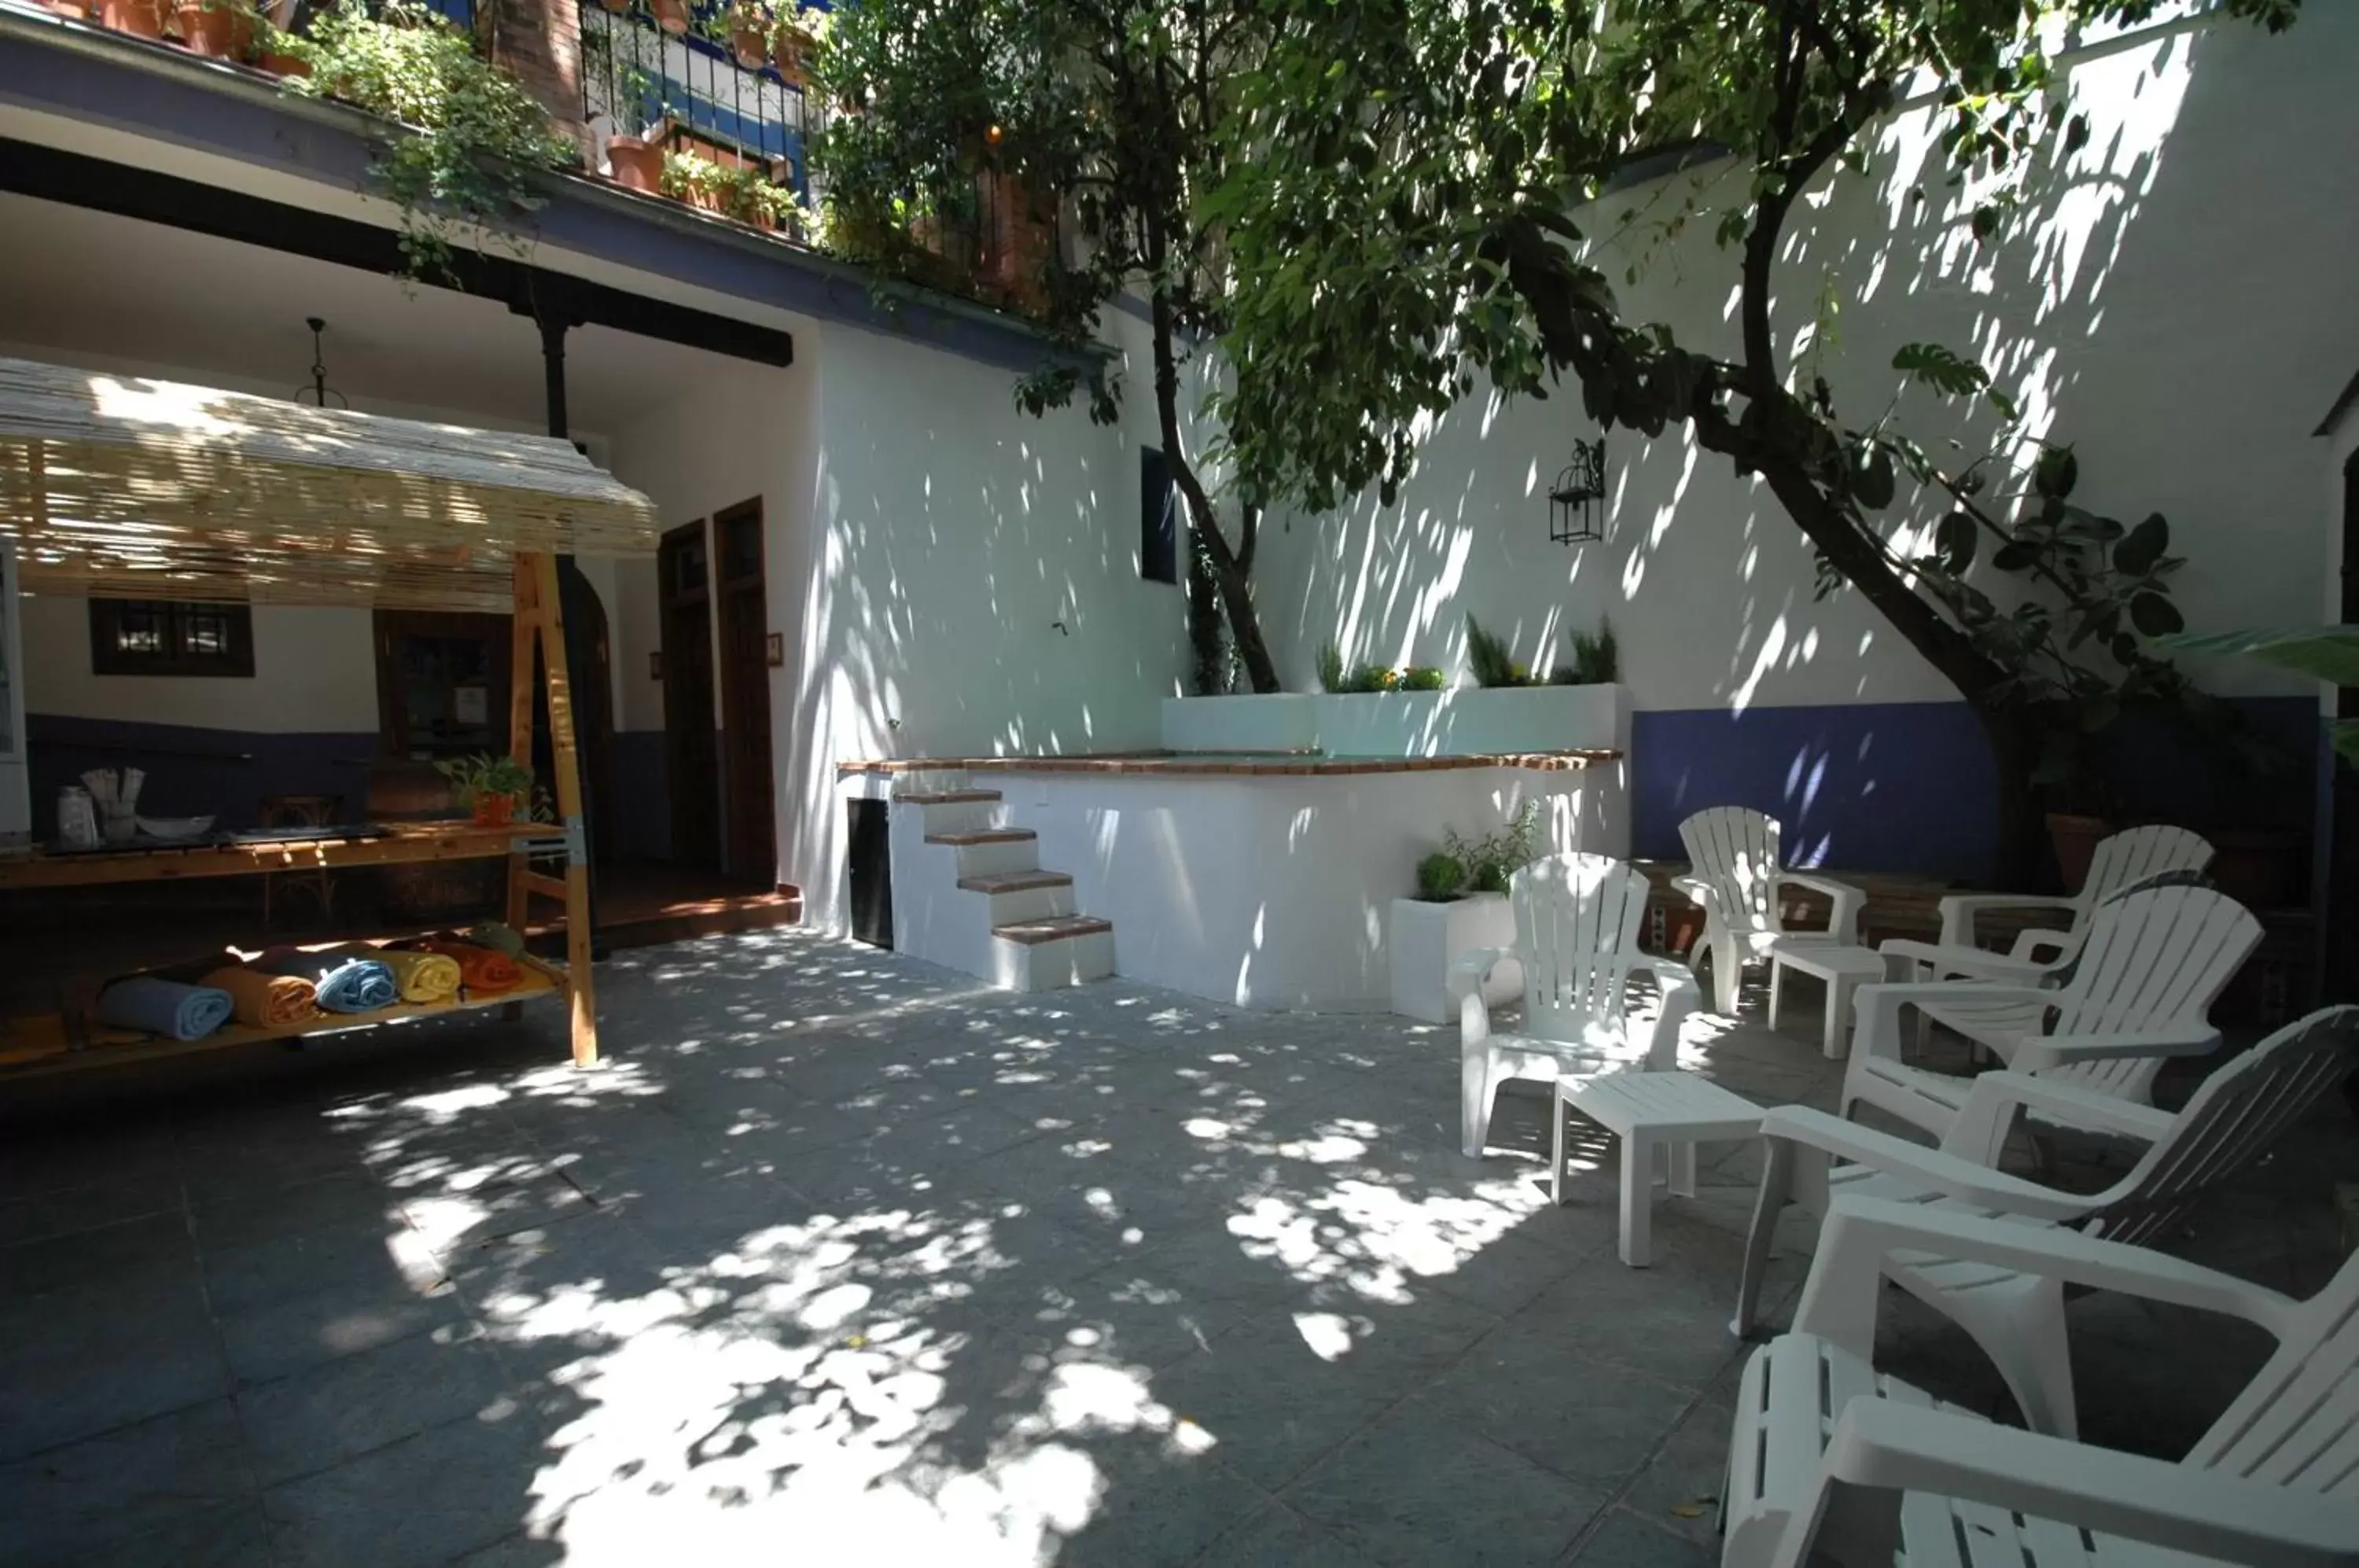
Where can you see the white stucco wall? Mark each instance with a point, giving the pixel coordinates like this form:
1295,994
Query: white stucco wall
2180,307
972,585
314,672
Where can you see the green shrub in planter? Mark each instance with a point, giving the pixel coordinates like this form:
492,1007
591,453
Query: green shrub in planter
1440,878
1422,677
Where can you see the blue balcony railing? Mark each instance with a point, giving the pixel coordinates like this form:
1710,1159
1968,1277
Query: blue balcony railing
639,79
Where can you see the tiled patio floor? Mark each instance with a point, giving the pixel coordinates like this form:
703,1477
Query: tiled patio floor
843,1260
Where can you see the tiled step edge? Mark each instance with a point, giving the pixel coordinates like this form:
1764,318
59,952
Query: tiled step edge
1056,929
948,797
982,836
1014,881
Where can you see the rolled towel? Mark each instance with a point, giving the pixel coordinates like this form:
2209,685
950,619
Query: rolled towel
266,1001
422,976
345,983
497,936
484,972
164,1006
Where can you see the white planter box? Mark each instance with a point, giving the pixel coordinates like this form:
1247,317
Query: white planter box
1426,938
1465,720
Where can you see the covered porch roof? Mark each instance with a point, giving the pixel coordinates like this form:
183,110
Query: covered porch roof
134,487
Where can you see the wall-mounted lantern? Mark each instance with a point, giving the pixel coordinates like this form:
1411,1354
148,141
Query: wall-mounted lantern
1577,504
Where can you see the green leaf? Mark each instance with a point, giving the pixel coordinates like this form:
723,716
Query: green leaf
1940,368
2154,614
2324,653
2142,546
1871,476
1954,541
2056,473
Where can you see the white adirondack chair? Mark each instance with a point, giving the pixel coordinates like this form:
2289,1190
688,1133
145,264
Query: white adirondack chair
2141,989
1831,1462
1577,919
1733,876
2017,1317
2121,862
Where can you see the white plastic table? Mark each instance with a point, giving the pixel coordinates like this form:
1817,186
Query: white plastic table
1672,1111
1843,969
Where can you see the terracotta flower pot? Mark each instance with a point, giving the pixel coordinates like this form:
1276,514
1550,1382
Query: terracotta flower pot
217,30
747,41
74,10
790,57
637,164
671,16
620,7
283,64
2075,841
494,811
140,19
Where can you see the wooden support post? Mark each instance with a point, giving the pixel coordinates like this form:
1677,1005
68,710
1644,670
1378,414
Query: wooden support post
520,645
566,762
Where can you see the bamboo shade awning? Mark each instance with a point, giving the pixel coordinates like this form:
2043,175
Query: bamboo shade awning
124,486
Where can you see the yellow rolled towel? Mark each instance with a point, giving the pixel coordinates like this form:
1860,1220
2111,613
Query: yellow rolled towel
265,1001
422,976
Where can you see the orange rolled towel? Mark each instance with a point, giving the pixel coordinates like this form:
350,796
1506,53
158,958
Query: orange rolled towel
482,972
265,1001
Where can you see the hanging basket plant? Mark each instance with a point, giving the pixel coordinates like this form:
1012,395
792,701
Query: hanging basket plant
671,16
463,135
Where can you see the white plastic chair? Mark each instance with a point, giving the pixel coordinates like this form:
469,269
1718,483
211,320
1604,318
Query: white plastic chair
1830,1461
2120,862
1577,919
1733,876
2017,1318
2141,989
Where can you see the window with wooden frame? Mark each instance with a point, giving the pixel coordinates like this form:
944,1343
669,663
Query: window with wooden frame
164,637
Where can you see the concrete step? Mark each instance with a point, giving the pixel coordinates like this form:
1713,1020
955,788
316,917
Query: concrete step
953,811
1014,881
1052,953
1056,928
991,851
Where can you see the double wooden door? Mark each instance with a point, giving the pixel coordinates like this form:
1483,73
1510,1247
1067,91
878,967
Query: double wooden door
717,707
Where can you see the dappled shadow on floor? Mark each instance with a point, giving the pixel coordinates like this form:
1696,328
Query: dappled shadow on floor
841,1259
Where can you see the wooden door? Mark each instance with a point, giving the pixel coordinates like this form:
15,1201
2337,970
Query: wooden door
692,763
745,692
442,683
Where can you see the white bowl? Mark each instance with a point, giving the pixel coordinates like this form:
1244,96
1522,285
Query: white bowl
176,828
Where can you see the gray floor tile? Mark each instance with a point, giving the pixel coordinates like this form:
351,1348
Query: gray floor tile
1158,1511
343,1408
861,1215
172,1489
423,1500
1278,1537
1624,1540
1271,1404
77,1364
274,1339
64,1211
1586,1420
1417,1491
129,1256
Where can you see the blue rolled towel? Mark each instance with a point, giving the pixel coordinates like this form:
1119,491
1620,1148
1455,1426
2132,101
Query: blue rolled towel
164,1006
346,984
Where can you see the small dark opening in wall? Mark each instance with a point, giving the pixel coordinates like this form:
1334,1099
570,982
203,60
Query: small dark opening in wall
1158,520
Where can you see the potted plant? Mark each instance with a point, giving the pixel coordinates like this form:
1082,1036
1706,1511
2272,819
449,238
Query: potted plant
793,43
140,19
1596,659
697,180
495,790
1461,905
222,29
749,24
671,16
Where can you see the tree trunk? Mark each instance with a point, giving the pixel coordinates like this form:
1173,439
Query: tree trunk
1229,573
2015,743
1211,649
